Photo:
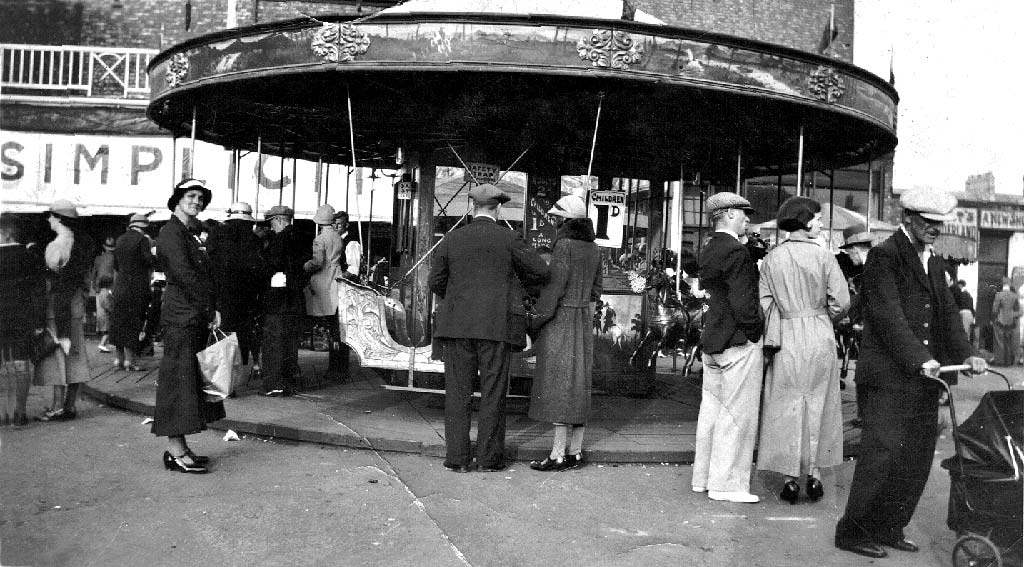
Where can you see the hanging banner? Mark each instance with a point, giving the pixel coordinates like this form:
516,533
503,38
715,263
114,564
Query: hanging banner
113,175
608,212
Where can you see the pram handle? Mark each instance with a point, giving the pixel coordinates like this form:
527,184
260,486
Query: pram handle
967,367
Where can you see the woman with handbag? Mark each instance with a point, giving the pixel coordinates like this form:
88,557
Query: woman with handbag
187,314
801,419
68,261
565,346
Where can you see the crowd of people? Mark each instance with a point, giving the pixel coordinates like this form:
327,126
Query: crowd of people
770,367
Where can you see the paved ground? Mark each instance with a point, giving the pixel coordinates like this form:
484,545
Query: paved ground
360,413
93,492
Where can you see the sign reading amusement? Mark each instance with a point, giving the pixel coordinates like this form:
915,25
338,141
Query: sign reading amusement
1002,219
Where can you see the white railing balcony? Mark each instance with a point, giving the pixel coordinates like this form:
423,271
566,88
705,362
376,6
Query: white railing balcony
75,71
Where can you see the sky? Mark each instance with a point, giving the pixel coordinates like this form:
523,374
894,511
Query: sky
958,72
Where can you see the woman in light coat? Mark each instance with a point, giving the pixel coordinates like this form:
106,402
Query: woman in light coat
565,346
802,291
68,261
325,266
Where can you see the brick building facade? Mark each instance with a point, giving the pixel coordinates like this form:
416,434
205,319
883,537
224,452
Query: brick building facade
158,24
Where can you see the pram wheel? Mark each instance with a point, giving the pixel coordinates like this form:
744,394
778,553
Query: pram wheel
974,550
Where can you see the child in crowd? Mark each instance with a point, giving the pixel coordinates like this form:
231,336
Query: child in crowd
104,303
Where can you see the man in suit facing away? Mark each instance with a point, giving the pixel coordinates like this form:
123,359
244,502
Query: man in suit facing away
910,322
729,406
473,273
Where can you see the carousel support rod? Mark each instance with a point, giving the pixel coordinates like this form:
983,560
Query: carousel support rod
369,223
593,145
800,163
831,202
327,183
259,164
427,254
867,218
348,185
739,168
319,179
679,229
295,181
174,159
352,147
280,193
192,152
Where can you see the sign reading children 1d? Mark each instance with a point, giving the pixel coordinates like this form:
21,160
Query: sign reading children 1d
608,212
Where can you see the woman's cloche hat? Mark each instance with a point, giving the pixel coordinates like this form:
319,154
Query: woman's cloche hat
185,186
324,215
796,212
857,234
64,208
139,219
570,207
241,211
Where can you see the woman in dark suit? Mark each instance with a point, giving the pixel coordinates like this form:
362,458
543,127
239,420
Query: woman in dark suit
187,313
133,261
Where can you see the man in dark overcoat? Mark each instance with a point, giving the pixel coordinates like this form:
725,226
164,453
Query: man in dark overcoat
733,324
911,322
473,274
283,302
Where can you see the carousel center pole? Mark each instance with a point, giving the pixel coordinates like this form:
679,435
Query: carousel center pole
192,151
259,164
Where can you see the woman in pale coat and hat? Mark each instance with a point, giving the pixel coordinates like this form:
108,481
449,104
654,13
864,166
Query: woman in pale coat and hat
133,260
802,292
324,268
561,388
68,261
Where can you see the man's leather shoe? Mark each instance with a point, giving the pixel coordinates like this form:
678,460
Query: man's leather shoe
864,547
902,544
549,465
459,468
497,467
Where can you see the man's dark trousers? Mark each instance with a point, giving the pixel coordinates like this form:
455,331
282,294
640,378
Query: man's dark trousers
280,362
462,359
898,441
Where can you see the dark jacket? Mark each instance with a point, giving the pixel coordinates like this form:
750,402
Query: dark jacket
239,271
730,276
133,260
22,294
286,252
910,317
473,273
189,298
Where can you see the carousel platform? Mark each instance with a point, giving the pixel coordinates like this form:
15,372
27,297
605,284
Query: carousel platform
358,412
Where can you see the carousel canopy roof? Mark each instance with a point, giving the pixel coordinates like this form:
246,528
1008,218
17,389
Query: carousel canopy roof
490,86
605,9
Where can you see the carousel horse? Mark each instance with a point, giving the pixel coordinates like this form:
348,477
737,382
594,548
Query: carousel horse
674,325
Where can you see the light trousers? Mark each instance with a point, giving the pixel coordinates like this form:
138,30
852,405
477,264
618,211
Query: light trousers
727,422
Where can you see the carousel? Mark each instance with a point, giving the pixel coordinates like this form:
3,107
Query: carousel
643,119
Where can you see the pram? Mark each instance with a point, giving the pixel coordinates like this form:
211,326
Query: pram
986,490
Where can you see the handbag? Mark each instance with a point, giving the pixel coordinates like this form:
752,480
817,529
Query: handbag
772,330
220,365
41,344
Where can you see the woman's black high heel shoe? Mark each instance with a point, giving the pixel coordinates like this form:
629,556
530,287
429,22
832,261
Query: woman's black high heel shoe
814,489
790,492
549,465
173,463
197,459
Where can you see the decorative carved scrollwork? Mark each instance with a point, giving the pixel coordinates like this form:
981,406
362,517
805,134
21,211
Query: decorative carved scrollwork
177,69
610,48
363,315
339,43
824,83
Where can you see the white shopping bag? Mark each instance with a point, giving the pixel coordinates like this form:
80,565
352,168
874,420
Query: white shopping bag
220,364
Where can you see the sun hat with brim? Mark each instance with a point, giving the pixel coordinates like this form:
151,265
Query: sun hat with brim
488,194
727,200
857,234
279,211
570,207
932,205
241,211
184,187
64,208
324,215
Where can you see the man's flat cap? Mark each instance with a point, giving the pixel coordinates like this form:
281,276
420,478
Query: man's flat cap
727,200
932,205
279,211
488,194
